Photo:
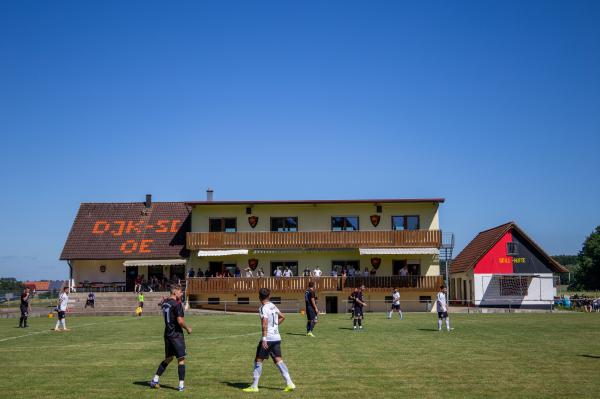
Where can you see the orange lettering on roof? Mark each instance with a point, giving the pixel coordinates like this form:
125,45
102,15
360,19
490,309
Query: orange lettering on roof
133,226
144,246
164,226
119,231
174,224
128,247
100,227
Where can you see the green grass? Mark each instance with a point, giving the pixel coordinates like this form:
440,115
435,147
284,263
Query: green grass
501,355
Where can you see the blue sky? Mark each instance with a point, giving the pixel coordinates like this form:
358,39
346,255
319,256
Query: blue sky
492,105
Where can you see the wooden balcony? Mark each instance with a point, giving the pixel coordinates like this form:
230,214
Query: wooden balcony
316,239
237,285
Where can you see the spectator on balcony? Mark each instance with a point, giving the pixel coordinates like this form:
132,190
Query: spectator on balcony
317,272
260,273
403,272
277,272
287,272
306,272
191,273
333,273
351,271
200,274
248,273
238,272
366,272
373,272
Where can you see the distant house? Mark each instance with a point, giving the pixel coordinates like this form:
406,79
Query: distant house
45,285
503,266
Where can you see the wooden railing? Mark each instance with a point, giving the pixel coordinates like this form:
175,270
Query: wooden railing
234,285
315,239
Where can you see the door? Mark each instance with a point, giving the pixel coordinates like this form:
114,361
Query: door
131,274
214,268
331,304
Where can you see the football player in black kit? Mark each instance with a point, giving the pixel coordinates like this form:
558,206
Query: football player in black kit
25,308
172,310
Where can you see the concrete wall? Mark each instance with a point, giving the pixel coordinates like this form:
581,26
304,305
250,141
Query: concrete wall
315,217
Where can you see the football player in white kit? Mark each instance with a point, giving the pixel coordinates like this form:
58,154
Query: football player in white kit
395,304
442,309
270,344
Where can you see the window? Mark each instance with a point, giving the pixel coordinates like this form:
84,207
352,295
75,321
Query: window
243,301
388,299
339,265
344,223
282,265
424,299
276,300
214,301
512,249
227,225
408,222
288,223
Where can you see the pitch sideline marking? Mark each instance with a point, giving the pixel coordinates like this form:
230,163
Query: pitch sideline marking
52,330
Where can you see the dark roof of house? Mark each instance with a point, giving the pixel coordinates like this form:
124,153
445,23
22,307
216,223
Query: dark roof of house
310,202
485,240
129,231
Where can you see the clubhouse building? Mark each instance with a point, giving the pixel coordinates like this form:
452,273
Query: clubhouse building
503,267
381,243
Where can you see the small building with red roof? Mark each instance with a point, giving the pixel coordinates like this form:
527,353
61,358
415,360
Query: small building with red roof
503,266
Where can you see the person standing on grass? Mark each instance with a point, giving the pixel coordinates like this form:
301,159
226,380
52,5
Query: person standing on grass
270,344
358,307
442,309
141,299
172,309
395,304
312,311
25,308
63,302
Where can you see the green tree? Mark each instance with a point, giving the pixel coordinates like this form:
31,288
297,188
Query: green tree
10,285
587,273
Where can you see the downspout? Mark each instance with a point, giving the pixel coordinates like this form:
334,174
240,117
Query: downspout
70,275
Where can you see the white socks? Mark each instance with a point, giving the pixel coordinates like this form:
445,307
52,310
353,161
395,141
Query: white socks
439,324
285,373
447,324
256,374
180,384
155,379
60,322
447,319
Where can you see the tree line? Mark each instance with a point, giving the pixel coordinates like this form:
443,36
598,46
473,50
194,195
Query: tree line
584,268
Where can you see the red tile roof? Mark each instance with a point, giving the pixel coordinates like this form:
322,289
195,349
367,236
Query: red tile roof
128,231
38,285
484,241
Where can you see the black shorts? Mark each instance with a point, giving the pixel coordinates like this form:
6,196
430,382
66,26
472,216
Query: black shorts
396,307
442,315
141,304
61,315
273,351
311,314
175,346
24,310
358,312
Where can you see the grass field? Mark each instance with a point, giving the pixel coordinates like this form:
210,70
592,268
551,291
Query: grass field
500,355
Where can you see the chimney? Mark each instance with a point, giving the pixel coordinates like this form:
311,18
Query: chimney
209,195
148,200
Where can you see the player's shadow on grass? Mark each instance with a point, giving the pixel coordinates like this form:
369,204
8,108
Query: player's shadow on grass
591,356
427,329
345,328
295,334
147,385
242,385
